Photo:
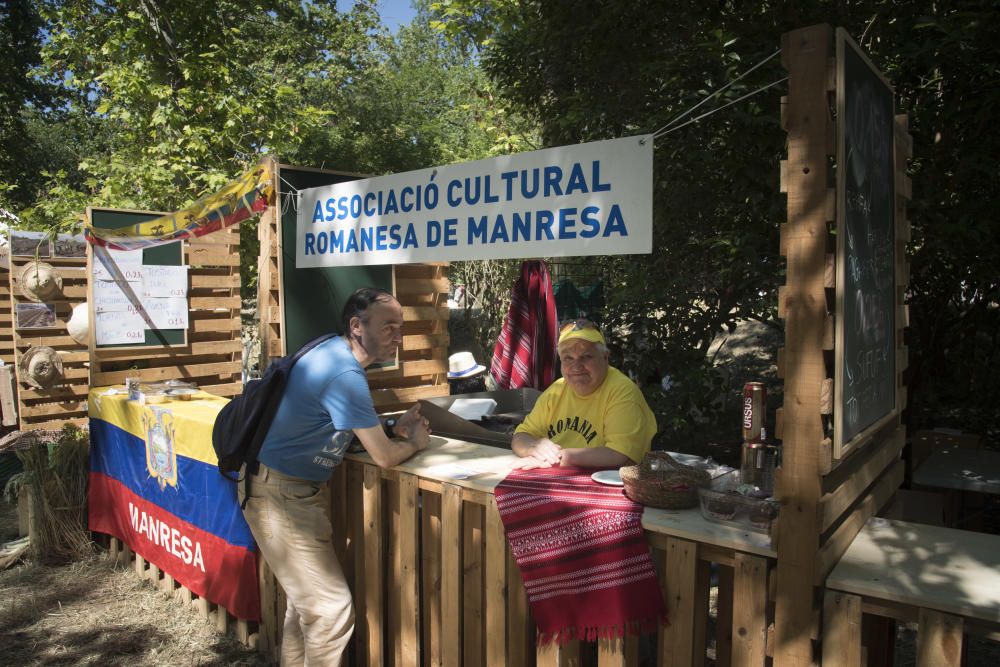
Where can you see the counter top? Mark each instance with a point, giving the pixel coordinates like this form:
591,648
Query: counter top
482,468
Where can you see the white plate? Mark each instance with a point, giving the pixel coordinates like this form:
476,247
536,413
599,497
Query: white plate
609,477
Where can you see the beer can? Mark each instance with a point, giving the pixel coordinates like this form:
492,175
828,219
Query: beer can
754,406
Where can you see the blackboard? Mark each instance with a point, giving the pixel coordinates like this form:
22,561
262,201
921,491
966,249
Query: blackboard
312,299
866,249
171,254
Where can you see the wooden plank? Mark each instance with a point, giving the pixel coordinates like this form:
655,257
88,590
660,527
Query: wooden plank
522,636
430,516
269,621
939,639
383,397
409,600
676,641
355,493
422,286
496,588
173,372
194,349
618,652
749,610
804,54
413,313
833,505
394,567
724,617
374,613
54,409
205,257
8,402
53,424
213,302
451,583
425,341
228,281
841,630
841,539
565,655
472,585
221,619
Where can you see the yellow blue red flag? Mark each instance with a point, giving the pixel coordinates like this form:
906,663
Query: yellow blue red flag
250,194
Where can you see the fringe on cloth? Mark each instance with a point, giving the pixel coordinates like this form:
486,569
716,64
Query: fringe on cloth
642,626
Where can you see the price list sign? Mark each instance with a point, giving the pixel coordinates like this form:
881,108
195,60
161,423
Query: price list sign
131,298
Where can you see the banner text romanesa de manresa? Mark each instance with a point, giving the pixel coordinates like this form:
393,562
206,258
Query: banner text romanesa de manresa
587,199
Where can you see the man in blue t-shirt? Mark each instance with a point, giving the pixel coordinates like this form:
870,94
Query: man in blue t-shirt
326,405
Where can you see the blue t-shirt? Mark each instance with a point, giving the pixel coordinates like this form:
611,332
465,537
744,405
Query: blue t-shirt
327,395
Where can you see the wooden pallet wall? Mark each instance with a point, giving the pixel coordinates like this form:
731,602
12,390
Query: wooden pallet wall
8,391
6,317
422,290
213,355
67,402
825,501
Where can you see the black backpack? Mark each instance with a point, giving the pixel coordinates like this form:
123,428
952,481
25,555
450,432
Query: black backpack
241,426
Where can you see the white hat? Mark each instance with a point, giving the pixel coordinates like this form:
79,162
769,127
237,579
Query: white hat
463,365
39,281
78,325
41,367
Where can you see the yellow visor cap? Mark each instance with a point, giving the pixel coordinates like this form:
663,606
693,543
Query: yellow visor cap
589,334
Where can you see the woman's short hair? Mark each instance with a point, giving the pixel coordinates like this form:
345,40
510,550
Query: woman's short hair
359,302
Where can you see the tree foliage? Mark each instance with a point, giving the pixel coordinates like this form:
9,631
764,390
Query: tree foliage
162,102
624,68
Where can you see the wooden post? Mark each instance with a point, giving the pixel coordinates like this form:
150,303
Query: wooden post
409,583
724,618
939,639
522,635
805,54
451,575
355,494
472,586
431,576
8,402
749,610
841,630
374,569
496,588
685,583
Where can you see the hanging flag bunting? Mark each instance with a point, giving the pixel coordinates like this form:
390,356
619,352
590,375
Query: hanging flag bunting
250,194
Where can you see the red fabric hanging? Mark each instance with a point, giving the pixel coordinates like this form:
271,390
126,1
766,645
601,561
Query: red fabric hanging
525,353
582,554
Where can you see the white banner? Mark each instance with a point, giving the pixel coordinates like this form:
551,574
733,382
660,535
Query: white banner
587,199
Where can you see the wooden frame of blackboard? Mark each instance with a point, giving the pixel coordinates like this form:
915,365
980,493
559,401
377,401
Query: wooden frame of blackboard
166,338
845,437
287,177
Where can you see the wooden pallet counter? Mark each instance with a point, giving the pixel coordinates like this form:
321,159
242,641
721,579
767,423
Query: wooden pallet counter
434,582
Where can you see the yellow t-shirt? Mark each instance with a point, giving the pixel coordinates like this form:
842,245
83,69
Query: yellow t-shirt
615,416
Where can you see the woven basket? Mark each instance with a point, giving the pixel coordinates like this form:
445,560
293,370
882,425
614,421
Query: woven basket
660,481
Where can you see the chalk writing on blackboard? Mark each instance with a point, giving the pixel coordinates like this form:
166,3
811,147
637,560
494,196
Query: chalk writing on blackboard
866,246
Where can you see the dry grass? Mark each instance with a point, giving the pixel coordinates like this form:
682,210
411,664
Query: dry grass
88,612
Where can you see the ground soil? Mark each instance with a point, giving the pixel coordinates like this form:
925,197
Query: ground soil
90,613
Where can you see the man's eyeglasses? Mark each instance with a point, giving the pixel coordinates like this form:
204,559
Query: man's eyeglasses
577,325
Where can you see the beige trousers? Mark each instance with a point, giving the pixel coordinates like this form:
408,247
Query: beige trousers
288,518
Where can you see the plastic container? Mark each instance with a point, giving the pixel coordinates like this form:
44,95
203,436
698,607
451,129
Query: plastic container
722,503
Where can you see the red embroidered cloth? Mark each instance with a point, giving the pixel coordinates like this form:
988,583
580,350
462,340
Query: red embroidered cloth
582,554
525,353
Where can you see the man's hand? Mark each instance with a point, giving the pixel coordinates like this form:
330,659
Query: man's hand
413,426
